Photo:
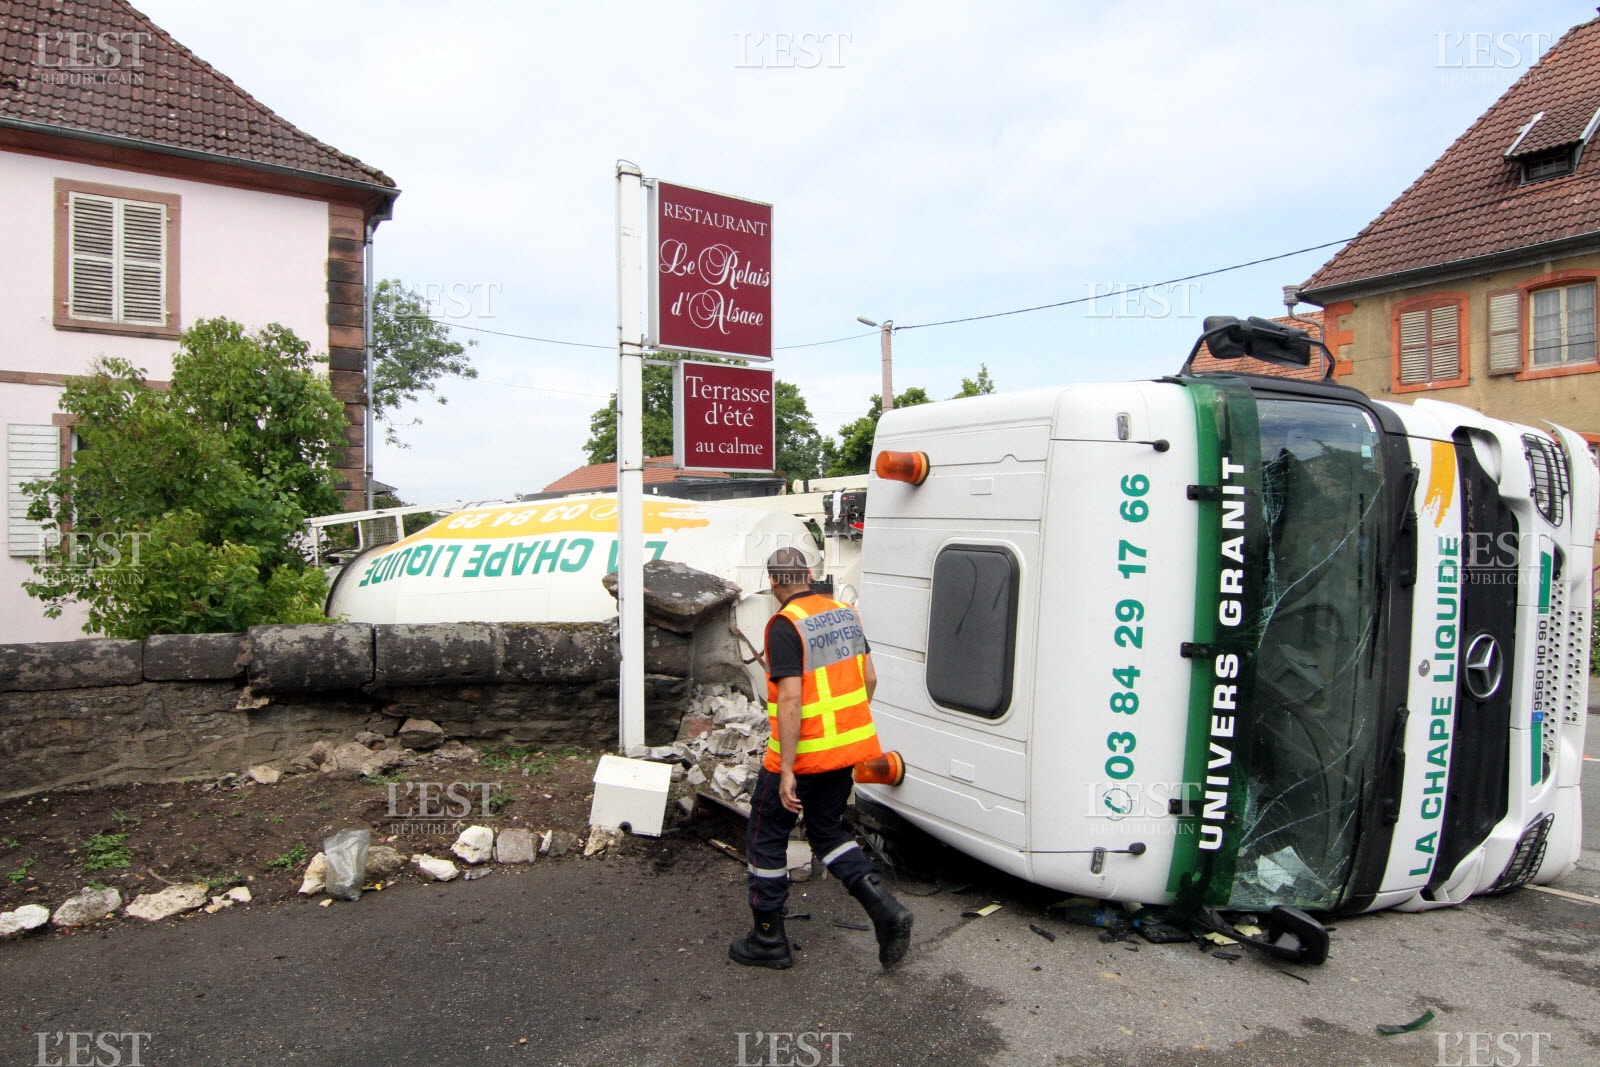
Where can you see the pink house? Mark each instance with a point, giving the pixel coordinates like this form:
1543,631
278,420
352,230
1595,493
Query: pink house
141,190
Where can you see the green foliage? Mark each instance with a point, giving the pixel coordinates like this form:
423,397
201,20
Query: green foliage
853,453
185,507
799,445
410,353
122,818
106,852
21,874
1594,639
291,859
982,385
497,800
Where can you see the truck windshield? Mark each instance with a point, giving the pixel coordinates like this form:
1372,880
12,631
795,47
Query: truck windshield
1312,737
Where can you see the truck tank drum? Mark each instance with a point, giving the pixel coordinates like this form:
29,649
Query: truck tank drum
542,561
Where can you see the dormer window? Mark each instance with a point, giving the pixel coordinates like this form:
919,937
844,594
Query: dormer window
1550,164
1550,144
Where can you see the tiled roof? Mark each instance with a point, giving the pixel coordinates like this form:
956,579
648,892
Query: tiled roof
1205,361
165,95
600,476
1469,203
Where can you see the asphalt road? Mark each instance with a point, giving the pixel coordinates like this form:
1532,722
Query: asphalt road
622,961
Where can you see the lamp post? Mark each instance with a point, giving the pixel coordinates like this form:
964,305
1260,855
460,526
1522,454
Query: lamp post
888,357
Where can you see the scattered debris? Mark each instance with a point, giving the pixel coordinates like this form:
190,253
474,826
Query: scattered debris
515,845
28,917
86,906
1388,1029
437,869
1229,956
475,873
1042,932
602,838
475,845
851,924
264,774
315,879
174,900
981,913
557,843
421,734
325,902
726,849
238,894
347,863
1296,977
382,860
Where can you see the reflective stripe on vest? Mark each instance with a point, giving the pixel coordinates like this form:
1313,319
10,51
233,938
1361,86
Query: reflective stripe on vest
835,721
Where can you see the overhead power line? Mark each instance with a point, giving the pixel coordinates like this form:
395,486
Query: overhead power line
1369,231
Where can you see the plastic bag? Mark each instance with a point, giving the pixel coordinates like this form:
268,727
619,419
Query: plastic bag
347,862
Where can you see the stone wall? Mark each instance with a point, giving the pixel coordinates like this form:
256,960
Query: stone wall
104,712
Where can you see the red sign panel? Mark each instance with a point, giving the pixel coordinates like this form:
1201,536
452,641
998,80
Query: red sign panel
723,418
711,291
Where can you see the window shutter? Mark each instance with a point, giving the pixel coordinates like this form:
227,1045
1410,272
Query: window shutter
1505,333
1446,343
144,242
93,259
1413,347
32,453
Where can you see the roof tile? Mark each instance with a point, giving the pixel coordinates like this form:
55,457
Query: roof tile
171,97
1469,203
600,476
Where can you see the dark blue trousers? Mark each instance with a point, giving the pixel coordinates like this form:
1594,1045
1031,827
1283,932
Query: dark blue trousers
823,796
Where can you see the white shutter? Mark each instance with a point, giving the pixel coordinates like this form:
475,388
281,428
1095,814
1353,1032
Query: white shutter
117,271
1505,333
32,453
1413,347
92,262
1446,343
143,267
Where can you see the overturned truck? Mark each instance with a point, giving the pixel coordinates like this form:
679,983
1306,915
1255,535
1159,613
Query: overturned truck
1234,641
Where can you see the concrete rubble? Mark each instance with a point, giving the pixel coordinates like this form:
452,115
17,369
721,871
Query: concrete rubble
475,845
720,744
28,917
515,845
86,906
437,869
174,900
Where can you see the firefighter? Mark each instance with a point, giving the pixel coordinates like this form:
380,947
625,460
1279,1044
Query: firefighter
819,682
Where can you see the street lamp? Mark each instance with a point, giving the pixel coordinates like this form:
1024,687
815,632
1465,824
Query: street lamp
888,358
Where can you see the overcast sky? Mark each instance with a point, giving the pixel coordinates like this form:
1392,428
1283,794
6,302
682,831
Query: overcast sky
926,160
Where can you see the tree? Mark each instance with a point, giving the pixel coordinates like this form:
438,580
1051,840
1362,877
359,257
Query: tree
799,445
182,510
853,454
980,386
411,351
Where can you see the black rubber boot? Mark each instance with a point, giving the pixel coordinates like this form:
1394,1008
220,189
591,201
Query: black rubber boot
764,946
891,920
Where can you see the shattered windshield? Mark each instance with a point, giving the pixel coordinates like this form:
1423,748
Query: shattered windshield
1316,687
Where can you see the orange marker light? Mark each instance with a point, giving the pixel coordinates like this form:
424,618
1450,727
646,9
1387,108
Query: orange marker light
887,769
903,467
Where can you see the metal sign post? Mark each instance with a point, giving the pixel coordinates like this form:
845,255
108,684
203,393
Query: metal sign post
630,460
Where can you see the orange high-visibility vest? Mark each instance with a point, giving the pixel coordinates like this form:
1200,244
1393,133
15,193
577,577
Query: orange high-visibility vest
835,722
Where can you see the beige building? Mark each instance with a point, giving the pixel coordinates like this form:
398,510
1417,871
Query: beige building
1477,285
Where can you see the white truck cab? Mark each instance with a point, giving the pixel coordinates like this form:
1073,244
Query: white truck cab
1234,640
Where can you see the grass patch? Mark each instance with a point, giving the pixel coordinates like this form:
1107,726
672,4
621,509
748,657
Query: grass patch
291,859
124,820
387,778
497,800
107,852
21,874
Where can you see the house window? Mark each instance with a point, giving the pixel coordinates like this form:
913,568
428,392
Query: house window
1552,164
972,629
116,259
1429,342
1563,325
33,453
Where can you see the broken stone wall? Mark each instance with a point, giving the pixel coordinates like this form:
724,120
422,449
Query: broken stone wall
103,712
